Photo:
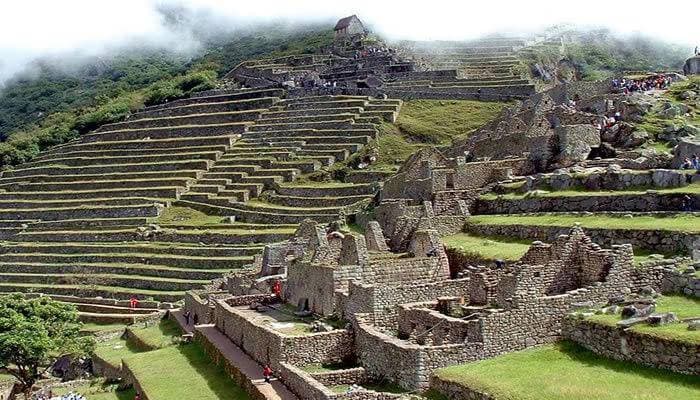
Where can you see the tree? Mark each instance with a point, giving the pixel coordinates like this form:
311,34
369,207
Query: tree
34,333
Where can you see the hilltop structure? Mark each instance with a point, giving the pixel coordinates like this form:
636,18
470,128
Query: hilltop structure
348,27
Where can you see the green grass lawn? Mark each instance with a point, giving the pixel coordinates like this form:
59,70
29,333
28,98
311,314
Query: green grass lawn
489,248
186,217
423,123
566,371
681,223
182,372
683,306
168,370
159,335
439,121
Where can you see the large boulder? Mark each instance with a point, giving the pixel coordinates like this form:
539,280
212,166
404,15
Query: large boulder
575,143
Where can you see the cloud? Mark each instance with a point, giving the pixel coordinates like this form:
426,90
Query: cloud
40,28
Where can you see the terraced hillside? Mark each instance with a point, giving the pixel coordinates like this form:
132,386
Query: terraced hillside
94,217
489,65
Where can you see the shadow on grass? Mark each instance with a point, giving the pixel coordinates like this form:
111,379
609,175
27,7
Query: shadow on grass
585,356
213,373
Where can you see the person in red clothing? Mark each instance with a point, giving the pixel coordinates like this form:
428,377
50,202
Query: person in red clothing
134,302
137,396
267,373
277,289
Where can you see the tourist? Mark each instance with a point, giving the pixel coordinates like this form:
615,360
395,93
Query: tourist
687,164
267,373
277,288
133,302
686,203
187,317
695,162
137,396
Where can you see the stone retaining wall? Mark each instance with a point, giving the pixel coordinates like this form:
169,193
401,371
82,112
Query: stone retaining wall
651,240
596,203
231,369
619,344
456,391
348,376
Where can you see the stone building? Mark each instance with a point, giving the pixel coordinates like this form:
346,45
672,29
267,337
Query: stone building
692,65
349,26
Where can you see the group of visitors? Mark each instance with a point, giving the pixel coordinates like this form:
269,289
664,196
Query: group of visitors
691,163
628,86
68,396
371,50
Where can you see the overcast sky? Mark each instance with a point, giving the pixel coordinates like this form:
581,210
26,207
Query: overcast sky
31,28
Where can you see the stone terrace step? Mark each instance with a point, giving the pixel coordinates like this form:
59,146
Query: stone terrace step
153,193
112,168
166,133
215,118
75,203
341,124
142,184
104,291
18,265
307,201
155,248
128,281
213,107
308,119
312,112
144,144
111,160
319,105
119,259
203,236
110,309
181,174
52,214
94,223
251,94
327,191
135,152
260,215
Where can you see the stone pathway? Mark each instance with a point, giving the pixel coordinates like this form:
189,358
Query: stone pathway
246,365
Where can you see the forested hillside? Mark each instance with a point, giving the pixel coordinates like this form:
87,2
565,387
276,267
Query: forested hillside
51,104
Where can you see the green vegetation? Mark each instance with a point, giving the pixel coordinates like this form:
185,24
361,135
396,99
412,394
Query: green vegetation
168,370
566,371
157,336
682,223
52,106
182,372
599,54
684,307
421,123
184,216
439,121
34,333
487,248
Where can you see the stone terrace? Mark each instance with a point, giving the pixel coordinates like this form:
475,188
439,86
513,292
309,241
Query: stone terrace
77,221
